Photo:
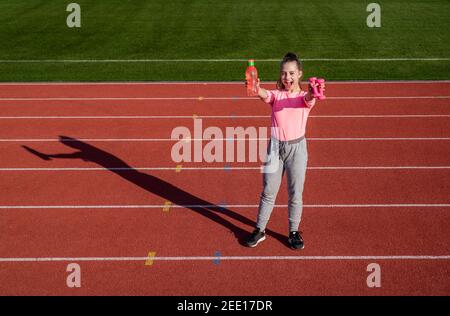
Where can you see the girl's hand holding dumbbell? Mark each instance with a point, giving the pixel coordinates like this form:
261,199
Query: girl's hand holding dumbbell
317,88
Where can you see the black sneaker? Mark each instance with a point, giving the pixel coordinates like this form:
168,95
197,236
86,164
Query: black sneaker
256,237
296,241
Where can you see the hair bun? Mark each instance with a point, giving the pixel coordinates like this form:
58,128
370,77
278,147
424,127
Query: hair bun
290,55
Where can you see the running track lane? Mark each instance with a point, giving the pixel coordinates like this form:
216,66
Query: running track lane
239,187
332,153
229,106
212,90
143,128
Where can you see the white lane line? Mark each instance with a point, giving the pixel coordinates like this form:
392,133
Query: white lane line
139,117
200,98
78,83
376,138
150,117
18,140
215,60
229,258
153,206
227,168
125,98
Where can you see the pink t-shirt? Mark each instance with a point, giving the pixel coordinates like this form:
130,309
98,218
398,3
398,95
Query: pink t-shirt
289,113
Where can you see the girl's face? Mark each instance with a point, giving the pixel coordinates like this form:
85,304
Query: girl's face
290,75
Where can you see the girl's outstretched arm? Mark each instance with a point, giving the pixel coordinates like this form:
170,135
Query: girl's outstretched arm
262,93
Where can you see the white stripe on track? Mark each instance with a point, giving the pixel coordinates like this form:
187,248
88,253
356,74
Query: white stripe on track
376,138
153,206
227,168
228,258
18,140
200,98
215,60
139,117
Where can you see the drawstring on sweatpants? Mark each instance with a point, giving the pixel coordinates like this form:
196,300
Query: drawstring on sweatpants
282,148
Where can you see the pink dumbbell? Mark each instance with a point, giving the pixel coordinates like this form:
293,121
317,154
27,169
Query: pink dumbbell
317,90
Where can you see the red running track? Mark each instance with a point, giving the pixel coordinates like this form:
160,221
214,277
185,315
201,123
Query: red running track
366,200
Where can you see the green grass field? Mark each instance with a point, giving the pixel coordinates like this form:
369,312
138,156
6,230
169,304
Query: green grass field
210,29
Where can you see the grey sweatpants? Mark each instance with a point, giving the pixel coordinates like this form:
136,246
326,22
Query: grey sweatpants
292,159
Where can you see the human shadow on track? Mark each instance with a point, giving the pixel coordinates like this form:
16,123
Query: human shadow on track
155,185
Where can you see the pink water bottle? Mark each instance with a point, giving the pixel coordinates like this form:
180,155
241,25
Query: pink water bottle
251,76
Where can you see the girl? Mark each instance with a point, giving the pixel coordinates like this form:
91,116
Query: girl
287,150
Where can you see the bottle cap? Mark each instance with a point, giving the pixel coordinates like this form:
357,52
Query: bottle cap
251,62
